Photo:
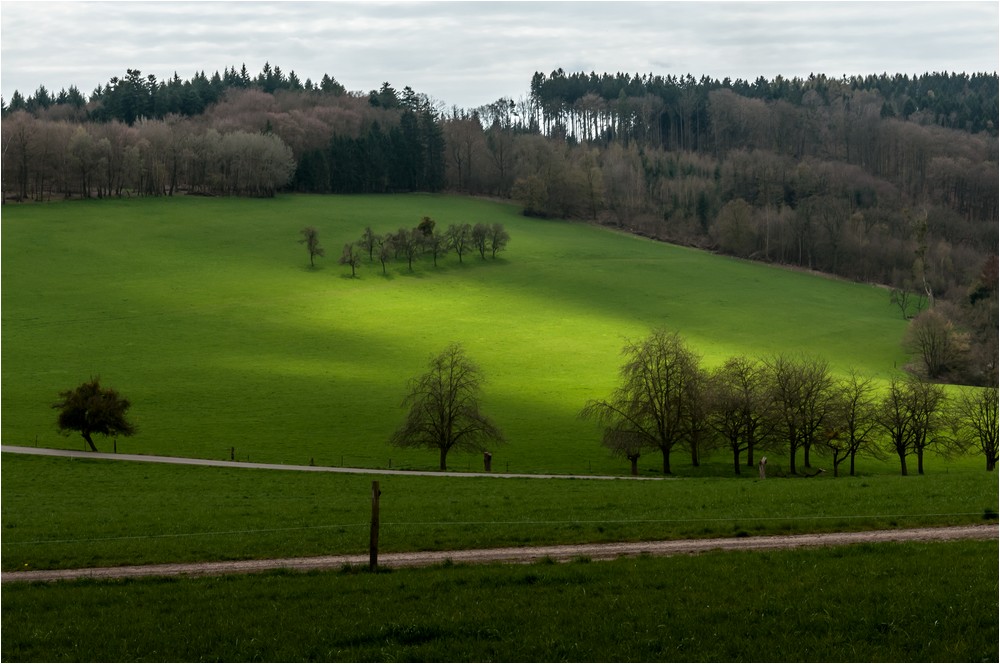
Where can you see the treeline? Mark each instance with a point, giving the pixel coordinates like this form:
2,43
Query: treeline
135,97
674,112
782,406
160,158
247,136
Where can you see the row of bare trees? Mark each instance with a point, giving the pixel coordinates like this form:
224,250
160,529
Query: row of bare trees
45,159
424,239
782,405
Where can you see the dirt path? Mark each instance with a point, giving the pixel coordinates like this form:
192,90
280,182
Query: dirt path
560,553
187,461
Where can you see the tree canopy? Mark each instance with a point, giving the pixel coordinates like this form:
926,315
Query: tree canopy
91,409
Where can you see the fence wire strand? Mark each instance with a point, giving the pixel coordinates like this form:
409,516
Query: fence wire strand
408,524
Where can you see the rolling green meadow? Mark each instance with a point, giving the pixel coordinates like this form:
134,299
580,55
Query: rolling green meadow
205,314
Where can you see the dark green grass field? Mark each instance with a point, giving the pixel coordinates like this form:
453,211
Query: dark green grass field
865,603
205,314
66,513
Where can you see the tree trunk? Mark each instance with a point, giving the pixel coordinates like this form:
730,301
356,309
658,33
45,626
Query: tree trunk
852,464
991,463
805,455
902,464
736,461
920,461
666,461
635,464
444,456
791,461
86,437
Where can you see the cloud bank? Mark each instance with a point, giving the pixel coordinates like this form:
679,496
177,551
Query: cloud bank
471,53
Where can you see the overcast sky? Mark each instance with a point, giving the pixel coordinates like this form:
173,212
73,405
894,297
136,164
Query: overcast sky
471,53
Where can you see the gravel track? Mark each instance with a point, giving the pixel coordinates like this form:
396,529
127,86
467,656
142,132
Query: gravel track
559,553
188,461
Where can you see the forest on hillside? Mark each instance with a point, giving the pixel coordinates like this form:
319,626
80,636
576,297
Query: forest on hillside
887,179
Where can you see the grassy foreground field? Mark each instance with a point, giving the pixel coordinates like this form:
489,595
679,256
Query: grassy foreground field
66,513
205,314
898,602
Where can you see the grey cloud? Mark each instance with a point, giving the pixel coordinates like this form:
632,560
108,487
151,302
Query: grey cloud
469,53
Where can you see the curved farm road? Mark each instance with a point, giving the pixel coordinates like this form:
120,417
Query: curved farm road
560,553
188,461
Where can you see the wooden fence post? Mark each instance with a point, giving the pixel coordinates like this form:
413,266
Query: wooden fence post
373,539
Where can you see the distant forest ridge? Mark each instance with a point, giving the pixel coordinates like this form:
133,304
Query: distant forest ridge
960,101
888,179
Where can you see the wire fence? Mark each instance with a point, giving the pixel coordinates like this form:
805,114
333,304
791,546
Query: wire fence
465,524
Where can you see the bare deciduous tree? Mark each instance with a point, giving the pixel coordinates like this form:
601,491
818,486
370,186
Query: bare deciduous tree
904,298
444,408
459,238
739,406
975,422
480,238
368,242
436,244
408,243
851,427
386,250
652,404
910,414
800,394
350,257
498,239
928,408
932,338
310,238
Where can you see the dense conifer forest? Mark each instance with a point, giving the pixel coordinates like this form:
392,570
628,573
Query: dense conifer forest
887,179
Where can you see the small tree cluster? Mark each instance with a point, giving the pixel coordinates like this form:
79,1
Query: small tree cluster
781,405
410,244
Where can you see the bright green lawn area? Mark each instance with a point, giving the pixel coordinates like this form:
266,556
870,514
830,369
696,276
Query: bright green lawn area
867,603
65,513
205,314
